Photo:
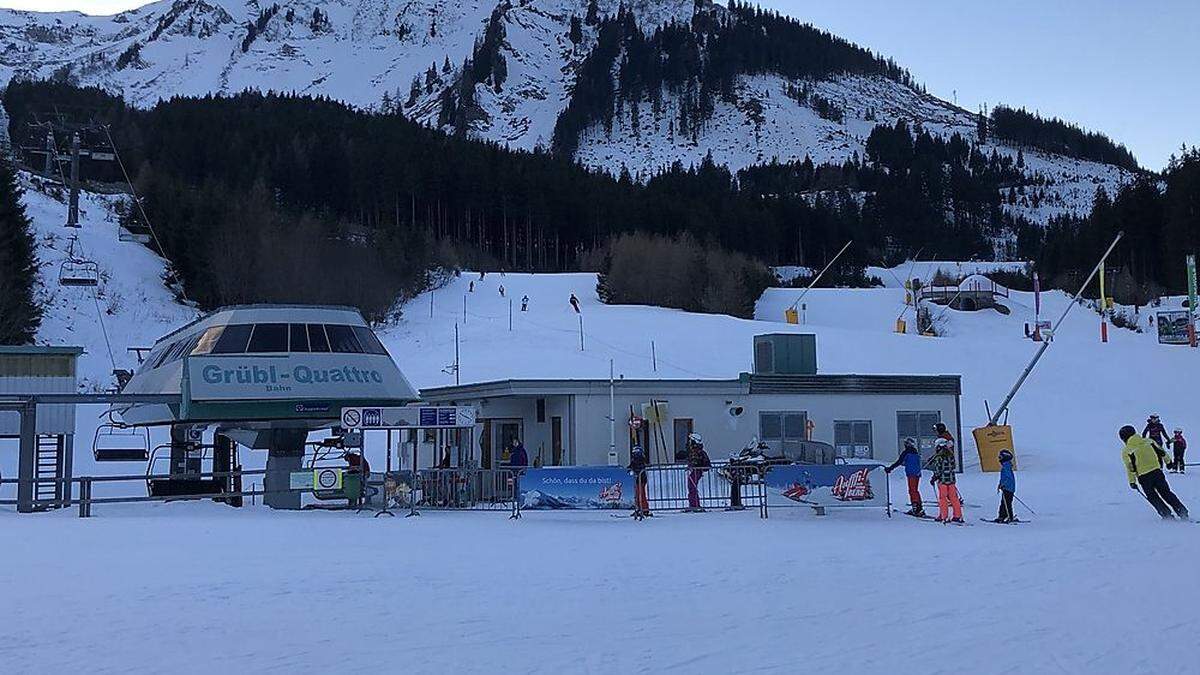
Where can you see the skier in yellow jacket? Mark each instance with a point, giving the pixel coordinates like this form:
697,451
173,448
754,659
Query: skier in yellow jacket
1143,460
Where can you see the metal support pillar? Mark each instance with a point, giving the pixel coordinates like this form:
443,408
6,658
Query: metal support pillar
73,203
222,460
26,469
285,455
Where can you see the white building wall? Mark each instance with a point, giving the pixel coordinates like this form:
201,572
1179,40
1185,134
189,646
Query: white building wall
724,433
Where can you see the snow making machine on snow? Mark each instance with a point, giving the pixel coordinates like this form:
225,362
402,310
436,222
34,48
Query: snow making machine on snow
262,376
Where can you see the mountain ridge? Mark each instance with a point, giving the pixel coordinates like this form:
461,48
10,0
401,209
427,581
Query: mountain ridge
507,72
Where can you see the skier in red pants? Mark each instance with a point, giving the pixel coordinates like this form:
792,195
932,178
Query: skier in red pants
910,457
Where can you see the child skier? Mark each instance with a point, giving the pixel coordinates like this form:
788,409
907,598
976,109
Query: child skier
1180,445
910,457
637,466
1007,488
942,464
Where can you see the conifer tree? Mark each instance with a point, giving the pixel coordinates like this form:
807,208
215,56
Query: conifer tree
20,315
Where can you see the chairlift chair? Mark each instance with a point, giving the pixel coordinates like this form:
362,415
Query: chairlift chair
117,443
134,232
78,272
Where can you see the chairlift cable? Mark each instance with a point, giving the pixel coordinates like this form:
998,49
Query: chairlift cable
103,329
137,200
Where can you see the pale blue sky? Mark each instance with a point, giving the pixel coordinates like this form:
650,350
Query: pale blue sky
1129,68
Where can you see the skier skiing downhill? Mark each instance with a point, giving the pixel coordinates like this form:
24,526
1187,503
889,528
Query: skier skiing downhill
910,457
1143,459
1007,488
943,466
1180,446
1157,432
637,466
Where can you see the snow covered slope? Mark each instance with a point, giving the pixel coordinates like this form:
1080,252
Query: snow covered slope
371,53
130,307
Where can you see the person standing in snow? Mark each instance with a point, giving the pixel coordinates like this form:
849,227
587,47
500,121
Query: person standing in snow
943,466
502,290
574,303
518,458
525,304
944,433
1180,446
910,457
637,466
471,287
698,462
1156,431
1007,487
1143,460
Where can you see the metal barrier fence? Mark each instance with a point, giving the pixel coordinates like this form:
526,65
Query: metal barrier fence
453,490
677,487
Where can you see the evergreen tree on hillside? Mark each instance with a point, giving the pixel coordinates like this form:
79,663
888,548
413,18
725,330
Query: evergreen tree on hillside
20,315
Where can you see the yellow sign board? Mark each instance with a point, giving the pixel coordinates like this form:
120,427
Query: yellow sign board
990,440
791,315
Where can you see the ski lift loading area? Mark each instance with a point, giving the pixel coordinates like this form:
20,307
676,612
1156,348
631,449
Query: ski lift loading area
259,376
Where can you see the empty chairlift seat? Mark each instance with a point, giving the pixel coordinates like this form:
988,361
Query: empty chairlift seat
113,443
78,272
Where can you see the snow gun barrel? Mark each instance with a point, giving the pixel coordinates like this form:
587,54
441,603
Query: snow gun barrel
1046,344
818,277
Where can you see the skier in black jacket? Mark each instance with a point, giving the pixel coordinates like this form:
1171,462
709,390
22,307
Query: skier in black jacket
637,466
1156,431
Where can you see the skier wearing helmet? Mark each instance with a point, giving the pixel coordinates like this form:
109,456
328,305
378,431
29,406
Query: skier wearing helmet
1156,431
1180,446
637,466
944,433
910,457
943,466
1143,460
698,462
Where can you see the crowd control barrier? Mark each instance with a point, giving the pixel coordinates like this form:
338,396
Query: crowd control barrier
453,489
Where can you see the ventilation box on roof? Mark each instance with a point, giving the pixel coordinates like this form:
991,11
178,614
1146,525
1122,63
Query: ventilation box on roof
785,354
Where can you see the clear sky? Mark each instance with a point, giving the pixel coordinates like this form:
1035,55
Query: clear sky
1129,68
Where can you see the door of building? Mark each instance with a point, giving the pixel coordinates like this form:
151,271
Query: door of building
556,444
508,432
919,426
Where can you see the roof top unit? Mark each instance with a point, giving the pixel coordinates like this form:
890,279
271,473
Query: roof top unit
785,354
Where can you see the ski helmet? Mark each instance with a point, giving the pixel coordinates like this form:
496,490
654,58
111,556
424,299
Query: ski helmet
940,428
1153,417
910,442
695,439
637,450
1179,432
1006,455
941,444
1127,432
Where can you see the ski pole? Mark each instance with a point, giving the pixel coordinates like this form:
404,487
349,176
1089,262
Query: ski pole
1024,504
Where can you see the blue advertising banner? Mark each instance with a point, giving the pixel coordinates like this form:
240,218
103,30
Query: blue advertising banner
577,487
827,485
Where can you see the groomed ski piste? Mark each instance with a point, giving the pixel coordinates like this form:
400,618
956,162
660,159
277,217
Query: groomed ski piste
1095,584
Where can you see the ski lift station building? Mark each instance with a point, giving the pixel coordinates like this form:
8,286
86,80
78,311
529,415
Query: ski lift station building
784,402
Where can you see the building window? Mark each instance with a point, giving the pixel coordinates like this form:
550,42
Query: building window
783,431
919,426
541,411
852,439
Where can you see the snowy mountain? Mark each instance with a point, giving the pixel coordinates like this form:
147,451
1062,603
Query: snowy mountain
410,55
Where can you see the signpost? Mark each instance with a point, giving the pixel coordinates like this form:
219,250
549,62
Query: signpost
1191,272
